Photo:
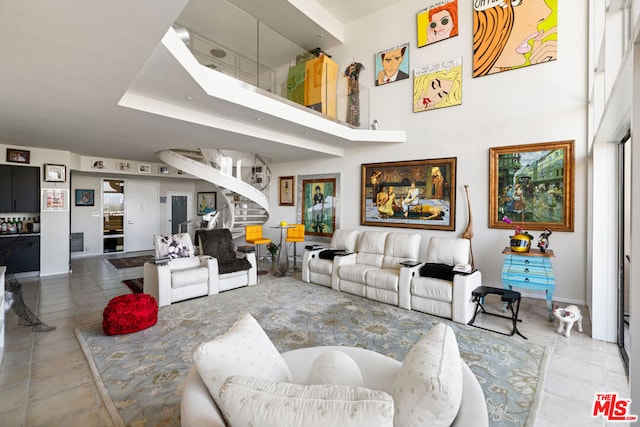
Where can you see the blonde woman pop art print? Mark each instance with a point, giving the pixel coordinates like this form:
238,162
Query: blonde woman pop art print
437,86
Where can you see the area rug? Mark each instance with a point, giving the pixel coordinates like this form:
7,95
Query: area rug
136,285
134,261
141,375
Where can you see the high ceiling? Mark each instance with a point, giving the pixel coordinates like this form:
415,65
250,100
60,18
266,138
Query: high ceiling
67,64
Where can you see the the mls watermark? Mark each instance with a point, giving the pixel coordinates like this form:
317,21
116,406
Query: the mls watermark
612,408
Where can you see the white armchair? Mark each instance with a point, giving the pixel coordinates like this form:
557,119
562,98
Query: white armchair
439,291
183,277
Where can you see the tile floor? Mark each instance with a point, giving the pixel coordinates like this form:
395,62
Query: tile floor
45,380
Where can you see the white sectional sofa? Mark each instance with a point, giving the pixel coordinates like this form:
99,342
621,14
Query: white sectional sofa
372,270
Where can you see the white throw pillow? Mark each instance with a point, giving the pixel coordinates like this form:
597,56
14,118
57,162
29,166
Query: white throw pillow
245,349
335,367
428,388
249,401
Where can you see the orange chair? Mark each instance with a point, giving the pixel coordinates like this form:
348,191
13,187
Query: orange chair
295,235
253,234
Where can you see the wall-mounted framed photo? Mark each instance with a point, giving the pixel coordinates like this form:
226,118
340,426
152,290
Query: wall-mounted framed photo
285,190
55,173
123,166
144,168
55,199
163,170
85,197
318,204
18,156
532,186
207,202
411,194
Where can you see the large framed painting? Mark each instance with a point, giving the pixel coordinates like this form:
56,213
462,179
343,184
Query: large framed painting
411,194
532,186
438,21
513,34
318,204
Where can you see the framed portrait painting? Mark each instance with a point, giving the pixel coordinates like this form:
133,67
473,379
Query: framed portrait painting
532,186
207,202
318,203
85,197
411,194
438,21
285,190
437,85
392,65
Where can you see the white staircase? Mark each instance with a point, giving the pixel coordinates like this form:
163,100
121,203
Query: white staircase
241,203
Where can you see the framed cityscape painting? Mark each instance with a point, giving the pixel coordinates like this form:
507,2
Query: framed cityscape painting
532,186
411,194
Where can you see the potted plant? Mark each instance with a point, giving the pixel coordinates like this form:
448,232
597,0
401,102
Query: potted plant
273,250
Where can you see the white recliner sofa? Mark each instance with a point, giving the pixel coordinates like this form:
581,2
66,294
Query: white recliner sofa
329,386
435,291
372,271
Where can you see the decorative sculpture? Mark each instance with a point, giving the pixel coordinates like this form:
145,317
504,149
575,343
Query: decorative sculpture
468,232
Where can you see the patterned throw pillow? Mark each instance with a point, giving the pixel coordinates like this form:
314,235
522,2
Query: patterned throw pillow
245,349
174,246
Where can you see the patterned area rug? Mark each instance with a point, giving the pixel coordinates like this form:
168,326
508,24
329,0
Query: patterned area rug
142,373
136,285
134,261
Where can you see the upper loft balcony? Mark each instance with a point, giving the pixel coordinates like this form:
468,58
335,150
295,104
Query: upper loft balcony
222,69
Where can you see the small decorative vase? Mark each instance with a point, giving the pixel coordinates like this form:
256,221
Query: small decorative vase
520,242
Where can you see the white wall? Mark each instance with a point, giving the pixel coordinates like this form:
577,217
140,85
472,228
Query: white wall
541,103
88,220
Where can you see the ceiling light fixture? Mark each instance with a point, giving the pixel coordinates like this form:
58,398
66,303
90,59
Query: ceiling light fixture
319,36
190,97
218,53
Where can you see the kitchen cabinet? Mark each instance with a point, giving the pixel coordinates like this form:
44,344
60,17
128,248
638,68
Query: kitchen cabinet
19,189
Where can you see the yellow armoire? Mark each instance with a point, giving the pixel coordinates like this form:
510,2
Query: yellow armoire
320,85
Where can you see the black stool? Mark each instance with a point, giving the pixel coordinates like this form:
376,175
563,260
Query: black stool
508,297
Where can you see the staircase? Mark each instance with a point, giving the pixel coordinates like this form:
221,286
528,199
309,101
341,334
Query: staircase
242,203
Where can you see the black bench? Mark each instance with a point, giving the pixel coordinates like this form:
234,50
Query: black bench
507,296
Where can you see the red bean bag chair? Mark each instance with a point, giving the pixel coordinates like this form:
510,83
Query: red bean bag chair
129,313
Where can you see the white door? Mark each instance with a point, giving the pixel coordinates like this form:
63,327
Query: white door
141,214
179,212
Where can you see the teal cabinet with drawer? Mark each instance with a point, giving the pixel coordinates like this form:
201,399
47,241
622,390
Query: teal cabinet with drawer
530,270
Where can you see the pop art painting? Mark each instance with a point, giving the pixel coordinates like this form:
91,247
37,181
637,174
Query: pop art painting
511,34
438,21
437,85
392,65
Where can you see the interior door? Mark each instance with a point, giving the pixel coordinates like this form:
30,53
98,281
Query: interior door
141,214
179,210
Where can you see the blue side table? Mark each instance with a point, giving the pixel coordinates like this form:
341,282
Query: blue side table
530,270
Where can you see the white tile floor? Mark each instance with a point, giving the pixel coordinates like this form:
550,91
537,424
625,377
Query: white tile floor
45,380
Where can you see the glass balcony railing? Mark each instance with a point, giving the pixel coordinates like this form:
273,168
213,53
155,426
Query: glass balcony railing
228,40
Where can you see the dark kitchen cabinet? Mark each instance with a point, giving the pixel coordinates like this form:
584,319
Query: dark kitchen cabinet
20,253
19,189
